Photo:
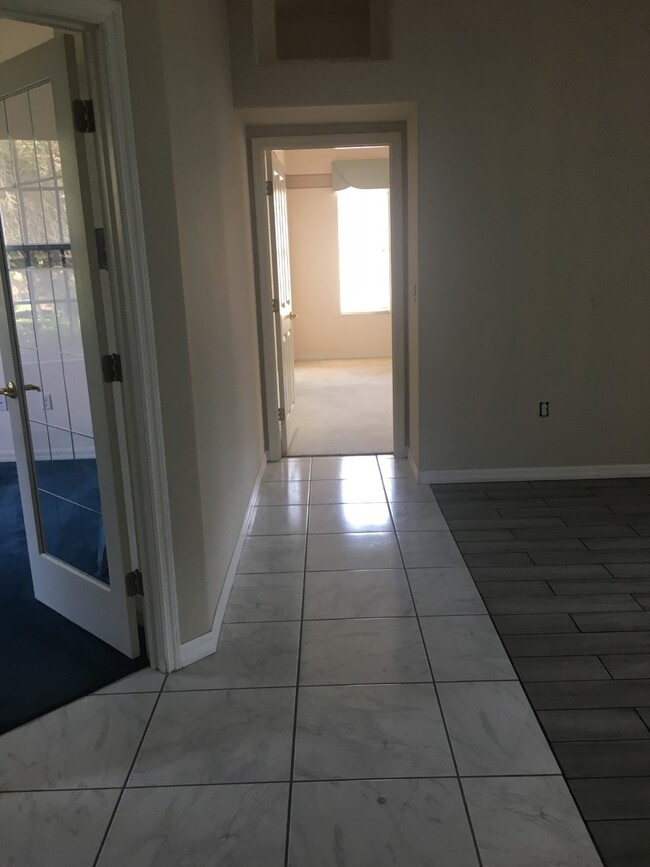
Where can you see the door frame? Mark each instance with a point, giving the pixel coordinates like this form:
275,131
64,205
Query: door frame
333,135
128,306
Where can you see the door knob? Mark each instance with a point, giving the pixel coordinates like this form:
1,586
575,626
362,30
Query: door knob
30,387
293,316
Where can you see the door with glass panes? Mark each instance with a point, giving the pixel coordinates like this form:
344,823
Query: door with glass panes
52,339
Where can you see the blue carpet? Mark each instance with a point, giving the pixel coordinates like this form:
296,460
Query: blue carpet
45,660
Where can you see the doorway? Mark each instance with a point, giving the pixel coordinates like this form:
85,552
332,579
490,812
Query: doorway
330,267
68,623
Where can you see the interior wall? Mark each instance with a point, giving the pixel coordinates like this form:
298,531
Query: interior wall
19,36
533,150
192,182
321,331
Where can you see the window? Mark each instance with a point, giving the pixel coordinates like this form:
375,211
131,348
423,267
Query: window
364,250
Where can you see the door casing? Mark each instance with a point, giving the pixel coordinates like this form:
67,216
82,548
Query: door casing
129,305
259,145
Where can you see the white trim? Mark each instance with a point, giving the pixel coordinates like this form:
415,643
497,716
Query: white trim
206,644
331,135
412,463
102,22
525,474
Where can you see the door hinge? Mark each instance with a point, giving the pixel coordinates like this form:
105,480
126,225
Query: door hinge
275,305
112,367
83,113
282,416
133,581
269,188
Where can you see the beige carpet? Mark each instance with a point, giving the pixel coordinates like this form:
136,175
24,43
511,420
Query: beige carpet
343,407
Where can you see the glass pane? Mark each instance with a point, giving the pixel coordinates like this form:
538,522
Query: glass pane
46,315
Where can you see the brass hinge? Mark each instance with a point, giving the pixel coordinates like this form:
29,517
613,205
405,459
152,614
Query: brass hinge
134,585
275,305
269,188
282,416
83,113
112,367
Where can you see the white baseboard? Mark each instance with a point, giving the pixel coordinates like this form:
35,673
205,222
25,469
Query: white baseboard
413,465
204,645
526,474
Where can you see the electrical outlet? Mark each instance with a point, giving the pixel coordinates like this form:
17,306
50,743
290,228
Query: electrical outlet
544,409
3,403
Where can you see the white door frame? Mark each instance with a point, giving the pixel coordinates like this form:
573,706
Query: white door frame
143,452
294,141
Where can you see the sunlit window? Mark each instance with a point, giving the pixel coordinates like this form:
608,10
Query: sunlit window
364,250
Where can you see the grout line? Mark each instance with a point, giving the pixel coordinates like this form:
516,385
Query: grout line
130,770
435,689
536,714
297,686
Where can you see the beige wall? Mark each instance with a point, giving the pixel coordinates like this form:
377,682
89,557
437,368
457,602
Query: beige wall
193,187
533,156
320,330
18,36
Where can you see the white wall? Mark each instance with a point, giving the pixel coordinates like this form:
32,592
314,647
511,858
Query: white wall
321,331
193,186
533,150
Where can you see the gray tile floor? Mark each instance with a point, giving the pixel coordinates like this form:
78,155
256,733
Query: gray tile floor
359,710
574,615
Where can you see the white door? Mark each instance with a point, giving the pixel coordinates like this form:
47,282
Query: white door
282,306
52,340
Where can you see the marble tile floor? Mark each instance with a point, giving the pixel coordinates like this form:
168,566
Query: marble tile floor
360,710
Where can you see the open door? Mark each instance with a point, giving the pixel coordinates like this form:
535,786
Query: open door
282,306
52,339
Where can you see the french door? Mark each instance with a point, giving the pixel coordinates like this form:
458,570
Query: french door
52,339
282,302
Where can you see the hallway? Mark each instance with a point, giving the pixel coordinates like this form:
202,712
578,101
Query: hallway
377,710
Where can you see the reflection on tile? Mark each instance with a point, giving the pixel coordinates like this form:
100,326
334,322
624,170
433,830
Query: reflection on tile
395,468
435,548
243,825
528,820
362,593
359,732
275,596
445,590
406,490
40,828
419,516
350,518
361,467
353,551
273,554
278,520
87,744
145,680
363,651
465,648
288,470
248,654
383,823
217,736
493,730
283,493
347,491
